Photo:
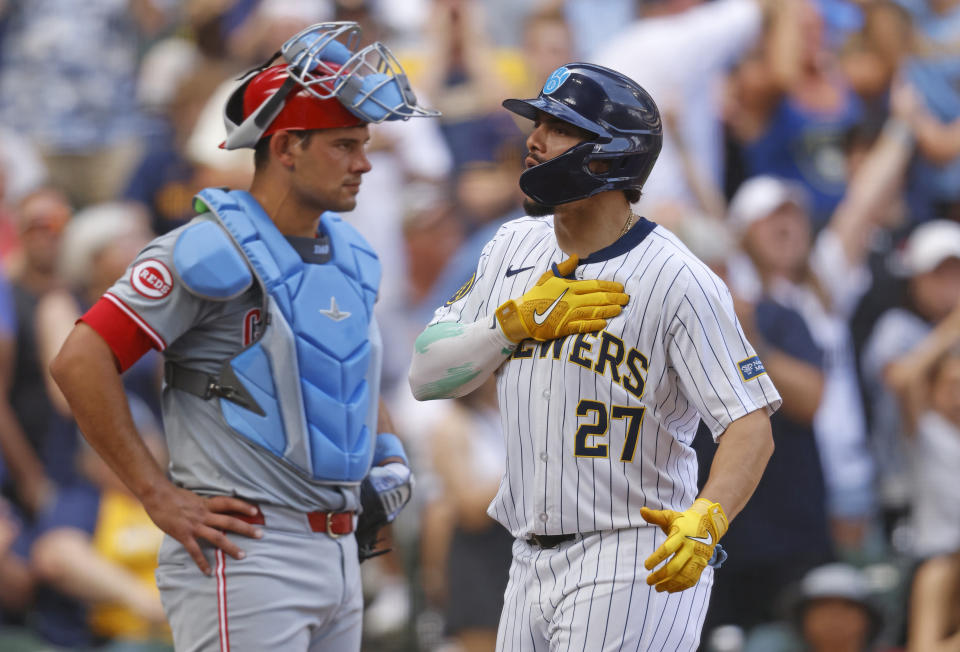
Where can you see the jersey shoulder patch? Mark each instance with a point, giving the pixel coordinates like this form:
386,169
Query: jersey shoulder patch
751,368
151,279
208,263
463,291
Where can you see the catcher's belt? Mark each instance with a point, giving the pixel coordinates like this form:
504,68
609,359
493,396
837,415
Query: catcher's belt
334,524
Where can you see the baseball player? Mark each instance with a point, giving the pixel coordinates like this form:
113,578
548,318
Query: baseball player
610,342
263,308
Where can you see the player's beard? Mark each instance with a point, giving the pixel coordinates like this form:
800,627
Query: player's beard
536,209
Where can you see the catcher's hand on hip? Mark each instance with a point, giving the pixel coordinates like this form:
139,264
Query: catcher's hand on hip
558,306
691,538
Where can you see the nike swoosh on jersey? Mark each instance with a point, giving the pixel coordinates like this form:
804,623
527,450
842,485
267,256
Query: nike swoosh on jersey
707,539
539,318
511,272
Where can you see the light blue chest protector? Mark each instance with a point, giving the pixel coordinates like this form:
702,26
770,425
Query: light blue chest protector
307,389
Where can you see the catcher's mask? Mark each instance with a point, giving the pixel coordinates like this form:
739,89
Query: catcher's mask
324,82
622,118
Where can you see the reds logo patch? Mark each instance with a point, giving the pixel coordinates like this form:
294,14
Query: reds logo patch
251,326
151,279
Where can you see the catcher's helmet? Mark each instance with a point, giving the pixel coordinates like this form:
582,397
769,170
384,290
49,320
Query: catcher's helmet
622,117
300,110
322,83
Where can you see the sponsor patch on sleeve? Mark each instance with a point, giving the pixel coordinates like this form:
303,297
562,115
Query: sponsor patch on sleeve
463,291
151,279
751,368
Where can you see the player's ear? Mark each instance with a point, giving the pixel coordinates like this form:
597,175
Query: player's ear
285,146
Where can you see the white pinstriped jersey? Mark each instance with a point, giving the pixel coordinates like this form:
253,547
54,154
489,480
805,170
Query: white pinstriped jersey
598,425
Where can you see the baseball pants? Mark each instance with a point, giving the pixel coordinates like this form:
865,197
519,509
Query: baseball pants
591,594
295,590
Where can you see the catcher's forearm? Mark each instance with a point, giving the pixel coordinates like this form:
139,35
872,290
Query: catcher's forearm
742,454
87,375
452,359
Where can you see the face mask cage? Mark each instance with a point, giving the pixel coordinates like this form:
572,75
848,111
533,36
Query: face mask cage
374,87
310,52
324,60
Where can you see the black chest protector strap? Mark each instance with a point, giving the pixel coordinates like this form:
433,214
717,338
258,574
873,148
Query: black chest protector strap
207,387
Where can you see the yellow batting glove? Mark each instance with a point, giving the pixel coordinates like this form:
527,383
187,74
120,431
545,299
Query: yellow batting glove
691,537
558,306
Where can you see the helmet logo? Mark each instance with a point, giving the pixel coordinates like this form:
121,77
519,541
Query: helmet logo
555,80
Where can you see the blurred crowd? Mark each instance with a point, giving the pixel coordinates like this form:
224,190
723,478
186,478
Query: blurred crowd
811,157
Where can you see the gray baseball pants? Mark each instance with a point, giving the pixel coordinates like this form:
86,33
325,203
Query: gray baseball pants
295,590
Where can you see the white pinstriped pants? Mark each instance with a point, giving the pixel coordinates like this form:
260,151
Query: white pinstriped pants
591,594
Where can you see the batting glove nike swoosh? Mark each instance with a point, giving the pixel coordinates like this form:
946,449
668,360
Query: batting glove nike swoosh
691,538
558,306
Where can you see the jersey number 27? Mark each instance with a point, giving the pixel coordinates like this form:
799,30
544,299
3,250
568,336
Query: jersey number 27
600,426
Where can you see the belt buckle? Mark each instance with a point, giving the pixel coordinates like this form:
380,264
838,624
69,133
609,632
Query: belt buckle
329,527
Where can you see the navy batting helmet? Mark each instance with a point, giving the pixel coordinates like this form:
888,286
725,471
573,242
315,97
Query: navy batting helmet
623,119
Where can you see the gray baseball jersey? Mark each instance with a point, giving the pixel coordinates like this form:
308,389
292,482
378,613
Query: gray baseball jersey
296,588
198,333
598,425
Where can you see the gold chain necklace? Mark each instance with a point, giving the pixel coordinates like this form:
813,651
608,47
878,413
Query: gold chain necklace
626,225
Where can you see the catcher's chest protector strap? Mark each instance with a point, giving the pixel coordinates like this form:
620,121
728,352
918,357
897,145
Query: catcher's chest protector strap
309,369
